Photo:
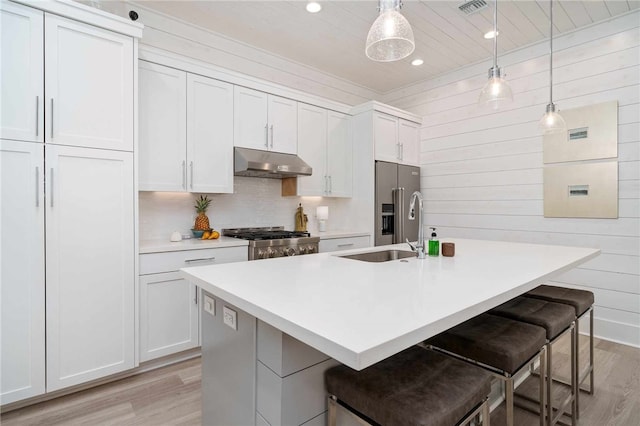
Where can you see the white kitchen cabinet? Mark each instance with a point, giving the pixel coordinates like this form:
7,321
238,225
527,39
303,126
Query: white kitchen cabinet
347,243
22,72
162,127
339,155
325,143
312,148
168,315
209,135
409,141
88,85
186,131
90,264
22,290
263,121
396,140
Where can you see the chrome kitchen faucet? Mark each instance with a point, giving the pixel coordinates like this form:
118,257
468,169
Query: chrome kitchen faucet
419,247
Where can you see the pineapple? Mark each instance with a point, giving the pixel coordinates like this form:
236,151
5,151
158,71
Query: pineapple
202,221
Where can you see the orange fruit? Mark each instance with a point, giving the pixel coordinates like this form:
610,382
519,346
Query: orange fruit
214,235
206,235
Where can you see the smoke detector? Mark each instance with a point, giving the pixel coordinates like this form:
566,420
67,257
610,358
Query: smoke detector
472,6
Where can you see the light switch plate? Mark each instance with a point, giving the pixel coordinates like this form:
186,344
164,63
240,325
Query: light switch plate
210,305
230,317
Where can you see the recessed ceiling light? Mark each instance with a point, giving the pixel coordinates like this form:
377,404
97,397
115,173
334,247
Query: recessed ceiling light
490,34
417,62
314,7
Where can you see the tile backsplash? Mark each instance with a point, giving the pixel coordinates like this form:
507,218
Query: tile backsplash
255,202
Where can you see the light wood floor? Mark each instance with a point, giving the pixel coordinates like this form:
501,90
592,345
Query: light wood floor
171,396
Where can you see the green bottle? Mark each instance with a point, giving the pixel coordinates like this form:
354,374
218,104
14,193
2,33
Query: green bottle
434,244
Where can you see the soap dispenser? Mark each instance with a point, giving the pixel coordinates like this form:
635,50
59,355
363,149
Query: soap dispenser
434,244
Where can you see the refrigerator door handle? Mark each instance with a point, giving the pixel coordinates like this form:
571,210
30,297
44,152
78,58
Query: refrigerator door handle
398,217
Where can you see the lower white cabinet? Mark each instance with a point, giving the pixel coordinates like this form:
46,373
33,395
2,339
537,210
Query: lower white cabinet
22,336
349,243
169,314
90,273
86,225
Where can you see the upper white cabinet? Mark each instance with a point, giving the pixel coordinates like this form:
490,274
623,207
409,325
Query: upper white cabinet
89,265
22,291
396,140
264,121
339,155
85,97
325,143
209,135
409,141
21,72
162,125
88,85
186,131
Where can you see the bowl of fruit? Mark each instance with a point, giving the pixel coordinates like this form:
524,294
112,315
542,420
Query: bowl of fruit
201,228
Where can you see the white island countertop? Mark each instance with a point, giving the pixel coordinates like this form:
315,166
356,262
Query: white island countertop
360,313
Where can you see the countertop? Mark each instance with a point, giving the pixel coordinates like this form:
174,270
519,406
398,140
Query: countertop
360,313
160,246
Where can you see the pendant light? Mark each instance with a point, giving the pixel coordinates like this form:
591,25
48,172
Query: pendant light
390,37
496,92
551,122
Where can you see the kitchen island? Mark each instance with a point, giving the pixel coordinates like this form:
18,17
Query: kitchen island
296,317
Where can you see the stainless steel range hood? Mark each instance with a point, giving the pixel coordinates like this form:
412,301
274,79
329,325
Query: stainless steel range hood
257,163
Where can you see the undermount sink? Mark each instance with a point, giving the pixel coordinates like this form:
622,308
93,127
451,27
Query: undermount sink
380,256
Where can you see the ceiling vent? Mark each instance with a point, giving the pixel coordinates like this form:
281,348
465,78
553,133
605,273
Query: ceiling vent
472,6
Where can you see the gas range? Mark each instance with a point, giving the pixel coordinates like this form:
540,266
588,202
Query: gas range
270,242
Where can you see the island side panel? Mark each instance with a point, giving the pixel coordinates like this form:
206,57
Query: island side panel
228,367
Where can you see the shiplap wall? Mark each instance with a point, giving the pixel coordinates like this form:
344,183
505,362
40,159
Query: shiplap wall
482,171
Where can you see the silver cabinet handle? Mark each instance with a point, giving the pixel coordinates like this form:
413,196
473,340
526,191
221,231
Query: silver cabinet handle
326,184
398,151
37,187
402,151
191,168
51,188
266,135
184,174
37,114
272,136
330,185
345,245
51,118
195,299
202,259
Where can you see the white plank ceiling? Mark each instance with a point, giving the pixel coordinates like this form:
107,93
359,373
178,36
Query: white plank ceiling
333,39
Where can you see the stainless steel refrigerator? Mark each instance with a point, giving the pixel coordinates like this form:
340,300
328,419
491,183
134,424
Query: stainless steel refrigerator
394,185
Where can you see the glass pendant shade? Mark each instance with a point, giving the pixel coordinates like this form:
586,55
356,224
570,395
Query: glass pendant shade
390,37
552,122
496,92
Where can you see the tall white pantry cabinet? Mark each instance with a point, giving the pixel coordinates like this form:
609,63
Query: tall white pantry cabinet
68,197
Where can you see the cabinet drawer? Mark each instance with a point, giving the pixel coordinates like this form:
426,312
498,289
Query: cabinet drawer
153,263
336,244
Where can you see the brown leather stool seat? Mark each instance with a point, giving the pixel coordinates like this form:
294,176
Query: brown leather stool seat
556,319
553,317
413,387
502,345
581,300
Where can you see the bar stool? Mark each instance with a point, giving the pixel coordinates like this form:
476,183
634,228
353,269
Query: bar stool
414,387
502,346
556,319
582,301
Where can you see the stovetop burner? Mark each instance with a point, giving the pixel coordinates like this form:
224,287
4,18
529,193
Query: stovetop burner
267,233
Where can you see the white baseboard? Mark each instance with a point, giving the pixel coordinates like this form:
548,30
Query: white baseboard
613,331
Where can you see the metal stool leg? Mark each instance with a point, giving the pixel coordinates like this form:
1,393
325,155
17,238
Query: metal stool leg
331,410
549,400
591,380
576,348
574,374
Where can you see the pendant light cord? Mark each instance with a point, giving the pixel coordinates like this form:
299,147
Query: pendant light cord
551,52
495,36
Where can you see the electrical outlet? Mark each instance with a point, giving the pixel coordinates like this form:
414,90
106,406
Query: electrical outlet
210,305
230,317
